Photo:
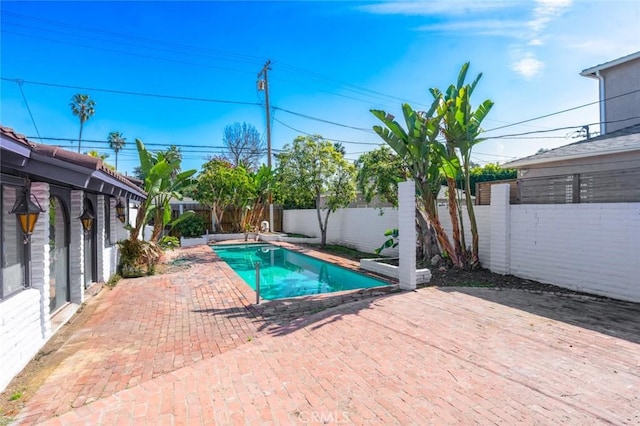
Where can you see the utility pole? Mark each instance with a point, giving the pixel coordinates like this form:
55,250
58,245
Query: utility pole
264,85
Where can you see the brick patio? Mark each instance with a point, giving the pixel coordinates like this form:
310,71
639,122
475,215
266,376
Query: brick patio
187,348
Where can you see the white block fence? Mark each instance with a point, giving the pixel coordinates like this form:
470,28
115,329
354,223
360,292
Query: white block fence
587,247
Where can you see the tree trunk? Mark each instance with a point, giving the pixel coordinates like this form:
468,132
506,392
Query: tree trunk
80,136
428,243
475,260
323,229
455,225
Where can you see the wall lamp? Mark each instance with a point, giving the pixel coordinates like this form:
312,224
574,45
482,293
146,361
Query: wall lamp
120,211
86,217
27,208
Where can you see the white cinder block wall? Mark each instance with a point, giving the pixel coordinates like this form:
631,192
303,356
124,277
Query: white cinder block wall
360,228
593,248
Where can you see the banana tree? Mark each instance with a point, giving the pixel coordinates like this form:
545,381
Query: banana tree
461,128
160,184
417,147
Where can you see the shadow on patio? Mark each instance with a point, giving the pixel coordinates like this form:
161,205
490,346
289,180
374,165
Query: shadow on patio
611,317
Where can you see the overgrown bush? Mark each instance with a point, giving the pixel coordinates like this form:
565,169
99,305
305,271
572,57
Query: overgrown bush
169,242
138,258
191,227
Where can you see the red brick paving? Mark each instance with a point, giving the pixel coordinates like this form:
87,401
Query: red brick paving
425,357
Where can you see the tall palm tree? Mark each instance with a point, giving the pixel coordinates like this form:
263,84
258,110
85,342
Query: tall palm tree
83,107
116,141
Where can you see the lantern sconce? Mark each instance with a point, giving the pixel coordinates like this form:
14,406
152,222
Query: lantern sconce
86,217
120,211
27,208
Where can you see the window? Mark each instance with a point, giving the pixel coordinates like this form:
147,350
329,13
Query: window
11,245
107,221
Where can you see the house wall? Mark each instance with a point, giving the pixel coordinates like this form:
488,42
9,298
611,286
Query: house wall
621,80
590,247
25,320
601,163
20,333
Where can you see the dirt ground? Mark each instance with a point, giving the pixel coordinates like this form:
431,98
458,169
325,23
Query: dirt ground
24,386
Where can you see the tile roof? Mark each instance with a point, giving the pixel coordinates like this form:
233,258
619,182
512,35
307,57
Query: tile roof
67,156
622,140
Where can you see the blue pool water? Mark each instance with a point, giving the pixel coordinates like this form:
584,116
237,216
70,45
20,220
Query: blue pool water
285,273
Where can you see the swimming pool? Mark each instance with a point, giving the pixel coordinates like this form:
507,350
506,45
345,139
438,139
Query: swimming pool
285,273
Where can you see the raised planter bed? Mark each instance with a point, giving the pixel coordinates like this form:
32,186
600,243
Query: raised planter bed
423,276
190,242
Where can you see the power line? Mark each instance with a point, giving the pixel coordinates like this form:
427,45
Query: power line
28,109
533,132
309,117
327,138
564,110
125,92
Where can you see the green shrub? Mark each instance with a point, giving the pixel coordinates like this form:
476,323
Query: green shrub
191,227
169,242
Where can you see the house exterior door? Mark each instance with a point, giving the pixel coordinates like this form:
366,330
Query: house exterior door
90,251
59,291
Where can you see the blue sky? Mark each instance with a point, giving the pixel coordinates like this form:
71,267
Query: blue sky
332,61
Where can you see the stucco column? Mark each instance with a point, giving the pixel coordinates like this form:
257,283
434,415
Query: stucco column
40,256
407,231
76,248
499,252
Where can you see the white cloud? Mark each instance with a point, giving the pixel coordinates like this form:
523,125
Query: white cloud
435,7
528,66
494,27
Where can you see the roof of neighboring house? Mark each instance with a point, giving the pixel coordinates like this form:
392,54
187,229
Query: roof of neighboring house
591,72
96,166
623,140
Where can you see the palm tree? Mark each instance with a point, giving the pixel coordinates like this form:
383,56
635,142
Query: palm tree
116,142
83,107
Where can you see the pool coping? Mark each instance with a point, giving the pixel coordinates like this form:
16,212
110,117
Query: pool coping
345,295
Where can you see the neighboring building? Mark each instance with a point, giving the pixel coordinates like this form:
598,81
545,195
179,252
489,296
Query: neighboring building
619,92
602,169
43,282
597,170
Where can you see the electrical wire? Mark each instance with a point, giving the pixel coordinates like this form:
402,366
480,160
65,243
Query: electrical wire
564,110
125,92
327,138
28,109
309,117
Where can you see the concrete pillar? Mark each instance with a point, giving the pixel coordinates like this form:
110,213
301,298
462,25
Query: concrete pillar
76,248
407,237
40,256
499,252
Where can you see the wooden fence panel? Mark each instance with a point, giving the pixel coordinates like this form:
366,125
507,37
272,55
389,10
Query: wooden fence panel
483,191
229,218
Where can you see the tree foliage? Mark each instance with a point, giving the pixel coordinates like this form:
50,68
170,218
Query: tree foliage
311,170
83,107
243,145
488,173
220,185
428,160
162,181
378,173
116,142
